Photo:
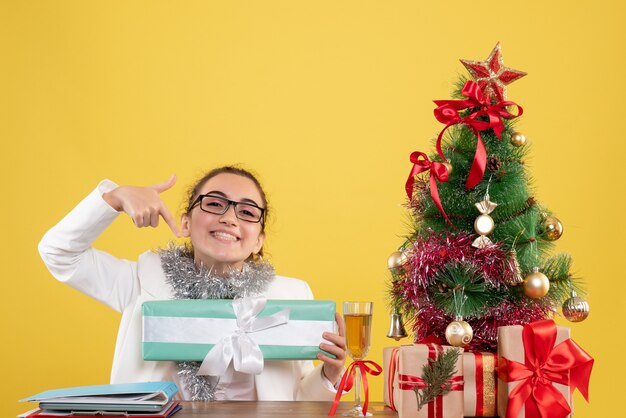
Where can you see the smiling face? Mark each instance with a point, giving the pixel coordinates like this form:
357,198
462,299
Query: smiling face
222,242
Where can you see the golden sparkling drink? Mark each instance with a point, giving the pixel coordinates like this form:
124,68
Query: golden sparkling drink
358,334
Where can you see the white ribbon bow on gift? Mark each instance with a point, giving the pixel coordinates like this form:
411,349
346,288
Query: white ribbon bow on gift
238,347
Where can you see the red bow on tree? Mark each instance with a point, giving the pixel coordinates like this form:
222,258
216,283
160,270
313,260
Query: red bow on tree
448,112
438,171
567,364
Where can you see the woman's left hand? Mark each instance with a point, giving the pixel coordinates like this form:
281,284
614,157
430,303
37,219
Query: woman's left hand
333,367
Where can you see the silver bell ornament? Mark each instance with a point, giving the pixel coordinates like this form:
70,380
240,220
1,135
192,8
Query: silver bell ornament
396,326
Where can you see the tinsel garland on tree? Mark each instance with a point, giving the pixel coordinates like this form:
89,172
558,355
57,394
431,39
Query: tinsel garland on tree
417,284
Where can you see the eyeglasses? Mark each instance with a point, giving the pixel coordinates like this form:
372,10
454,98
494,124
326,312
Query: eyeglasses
218,205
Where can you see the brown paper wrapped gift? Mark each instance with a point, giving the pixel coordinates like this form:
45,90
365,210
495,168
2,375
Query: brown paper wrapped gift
411,361
479,388
539,367
390,370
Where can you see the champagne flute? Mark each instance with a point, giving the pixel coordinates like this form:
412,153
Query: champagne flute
358,317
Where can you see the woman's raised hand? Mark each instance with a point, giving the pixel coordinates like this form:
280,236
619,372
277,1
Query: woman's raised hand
143,204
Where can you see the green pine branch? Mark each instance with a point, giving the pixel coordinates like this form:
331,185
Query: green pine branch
558,270
437,374
460,290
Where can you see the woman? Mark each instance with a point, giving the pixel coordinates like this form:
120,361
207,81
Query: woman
224,221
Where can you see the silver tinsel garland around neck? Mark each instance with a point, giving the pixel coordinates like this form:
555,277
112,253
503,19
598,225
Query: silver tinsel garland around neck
189,281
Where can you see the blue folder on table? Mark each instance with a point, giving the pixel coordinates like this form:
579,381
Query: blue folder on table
143,396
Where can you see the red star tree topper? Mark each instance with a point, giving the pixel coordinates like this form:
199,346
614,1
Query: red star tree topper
491,75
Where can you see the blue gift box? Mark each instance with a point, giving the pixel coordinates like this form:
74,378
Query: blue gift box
187,330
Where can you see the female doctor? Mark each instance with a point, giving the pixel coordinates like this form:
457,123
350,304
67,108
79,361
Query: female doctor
224,220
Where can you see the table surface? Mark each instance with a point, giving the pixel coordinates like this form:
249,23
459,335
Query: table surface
269,409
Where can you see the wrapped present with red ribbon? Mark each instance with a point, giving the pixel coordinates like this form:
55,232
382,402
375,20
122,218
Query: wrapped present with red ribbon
479,388
411,360
390,372
539,367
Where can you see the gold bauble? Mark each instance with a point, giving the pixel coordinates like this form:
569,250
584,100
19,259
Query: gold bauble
448,167
536,284
551,228
483,225
396,259
459,333
518,139
575,309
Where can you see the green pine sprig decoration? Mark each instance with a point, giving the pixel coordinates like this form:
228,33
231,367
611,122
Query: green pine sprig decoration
558,268
437,374
461,291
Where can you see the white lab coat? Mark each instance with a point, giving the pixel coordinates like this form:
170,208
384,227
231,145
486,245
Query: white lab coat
124,285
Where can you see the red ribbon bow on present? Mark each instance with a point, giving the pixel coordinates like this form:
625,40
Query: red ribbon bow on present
448,112
438,171
347,381
567,364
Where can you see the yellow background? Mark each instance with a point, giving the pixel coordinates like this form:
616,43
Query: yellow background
326,100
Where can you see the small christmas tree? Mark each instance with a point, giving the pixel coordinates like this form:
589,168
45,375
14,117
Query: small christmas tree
478,256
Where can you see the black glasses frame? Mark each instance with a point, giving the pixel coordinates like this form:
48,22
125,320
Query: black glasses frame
232,203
